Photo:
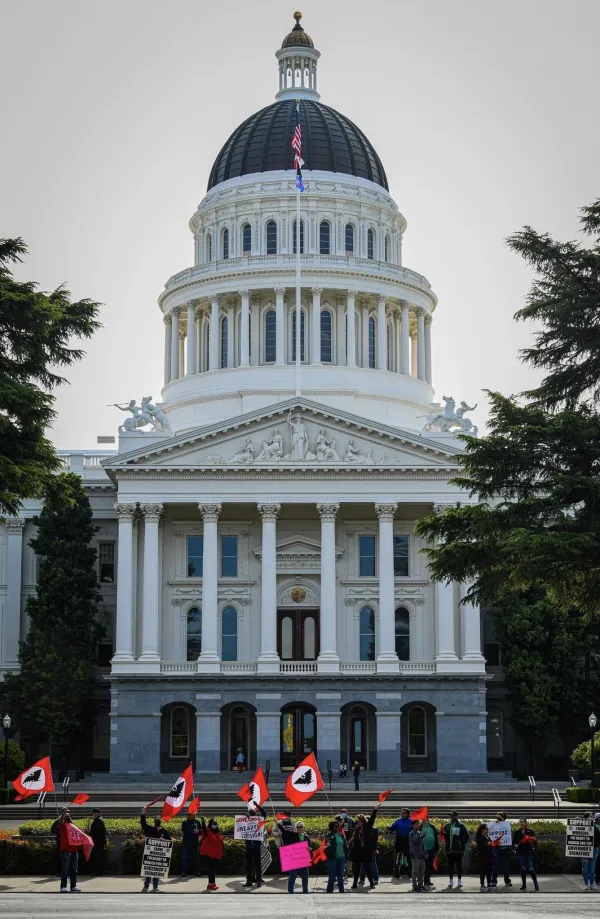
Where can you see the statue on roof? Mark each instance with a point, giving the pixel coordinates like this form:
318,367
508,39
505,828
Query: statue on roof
451,419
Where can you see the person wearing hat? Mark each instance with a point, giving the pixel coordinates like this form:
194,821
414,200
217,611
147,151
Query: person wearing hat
156,831
456,838
299,836
97,831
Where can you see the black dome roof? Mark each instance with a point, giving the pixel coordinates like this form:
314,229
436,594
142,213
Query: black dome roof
330,142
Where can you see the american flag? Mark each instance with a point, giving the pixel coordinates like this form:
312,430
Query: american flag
297,148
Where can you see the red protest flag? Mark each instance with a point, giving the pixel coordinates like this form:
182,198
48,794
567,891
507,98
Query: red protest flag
498,840
160,797
318,855
80,798
180,792
279,816
77,837
245,793
384,795
194,806
436,863
304,781
421,813
256,790
35,779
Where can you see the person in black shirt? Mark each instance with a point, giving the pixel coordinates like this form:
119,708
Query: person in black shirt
156,831
98,833
253,847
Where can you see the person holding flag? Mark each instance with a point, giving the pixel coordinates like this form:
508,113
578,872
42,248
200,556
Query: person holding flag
524,841
362,845
432,846
336,850
157,831
401,827
212,849
68,855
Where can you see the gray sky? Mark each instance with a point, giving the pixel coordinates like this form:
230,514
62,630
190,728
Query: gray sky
483,113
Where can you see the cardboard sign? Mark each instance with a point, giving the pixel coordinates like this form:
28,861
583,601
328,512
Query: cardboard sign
580,838
500,829
249,828
157,858
294,856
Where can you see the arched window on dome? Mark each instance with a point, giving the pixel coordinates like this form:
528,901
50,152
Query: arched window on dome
387,248
270,337
229,634
224,336
209,247
370,244
301,236
402,633
366,621
371,342
349,239
225,243
302,336
246,239
325,237
326,337
271,238
194,633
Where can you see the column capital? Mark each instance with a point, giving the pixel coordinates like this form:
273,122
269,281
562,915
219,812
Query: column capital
256,300
152,512
191,304
428,318
269,511
352,292
386,511
125,511
167,320
215,299
244,292
280,289
175,311
210,512
328,511
317,290
381,299
14,525
419,310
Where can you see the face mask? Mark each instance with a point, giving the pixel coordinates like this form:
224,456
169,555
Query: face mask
213,826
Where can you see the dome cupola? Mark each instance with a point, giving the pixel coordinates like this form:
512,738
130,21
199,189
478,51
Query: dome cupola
297,37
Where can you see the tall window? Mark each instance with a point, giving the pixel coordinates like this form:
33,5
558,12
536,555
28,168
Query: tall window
229,556
417,732
194,633
180,733
326,336
207,346
229,634
302,356
246,238
370,244
367,561
195,551
224,336
225,243
371,342
106,562
400,556
324,238
270,337
349,237
367,634
301,236
390,353
271,238
495,734
402,633
209,247
387,248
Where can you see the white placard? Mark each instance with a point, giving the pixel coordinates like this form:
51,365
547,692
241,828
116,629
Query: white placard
249,828
580,838
157,858
500,829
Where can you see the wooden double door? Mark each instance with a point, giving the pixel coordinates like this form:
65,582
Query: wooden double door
298,634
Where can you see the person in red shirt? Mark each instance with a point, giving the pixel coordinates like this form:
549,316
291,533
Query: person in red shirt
68,856
212,849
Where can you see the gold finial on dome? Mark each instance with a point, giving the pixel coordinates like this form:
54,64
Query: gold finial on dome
297,17
297,36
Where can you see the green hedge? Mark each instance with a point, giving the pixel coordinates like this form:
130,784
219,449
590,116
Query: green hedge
547,858
7,795
583,795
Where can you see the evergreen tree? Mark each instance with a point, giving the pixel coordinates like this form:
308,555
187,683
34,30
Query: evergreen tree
35,330
51,695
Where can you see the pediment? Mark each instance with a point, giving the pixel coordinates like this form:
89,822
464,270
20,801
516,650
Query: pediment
295,434
298,553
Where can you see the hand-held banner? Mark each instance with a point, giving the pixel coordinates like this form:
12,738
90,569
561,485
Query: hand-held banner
180,792
77,837
421,813
157,858
304,782
80,799
249,828
194,806
34,780
384,795
294,856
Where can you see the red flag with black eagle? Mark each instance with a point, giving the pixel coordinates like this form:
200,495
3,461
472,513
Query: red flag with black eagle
180,792
34,780
256,791
304,782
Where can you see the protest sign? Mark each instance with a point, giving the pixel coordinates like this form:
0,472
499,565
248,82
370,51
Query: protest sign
580,838
157,858
294,856
501,830
249,828
265,855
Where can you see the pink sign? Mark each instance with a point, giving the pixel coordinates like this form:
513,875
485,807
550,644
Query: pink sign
294,856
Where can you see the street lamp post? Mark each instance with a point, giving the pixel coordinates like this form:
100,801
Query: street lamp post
6,723
592,721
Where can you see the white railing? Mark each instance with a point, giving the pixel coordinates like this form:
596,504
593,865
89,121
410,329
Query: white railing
79,460
239,668
187,667
417,667
298,667
236,667
358,667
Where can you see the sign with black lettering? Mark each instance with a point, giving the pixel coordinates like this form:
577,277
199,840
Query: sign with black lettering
580,838
157,858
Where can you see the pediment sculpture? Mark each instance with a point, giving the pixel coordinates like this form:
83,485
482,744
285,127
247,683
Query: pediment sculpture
273,451
142,416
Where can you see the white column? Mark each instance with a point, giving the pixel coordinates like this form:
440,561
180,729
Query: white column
381,335
397,342
364,323
245,329
413,354
167,375
214,334
181,352
192,363
151,591
328,661
230,333
444,620
125,610
471,629
279,326
14,566
174,344
315,356
208,662
421,344
428,371
268,660
387,659
350,330
405,334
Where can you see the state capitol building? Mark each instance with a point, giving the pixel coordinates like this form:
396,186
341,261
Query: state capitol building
262,586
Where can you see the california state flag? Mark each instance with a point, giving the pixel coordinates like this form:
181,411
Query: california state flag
304,781
180,792
35,779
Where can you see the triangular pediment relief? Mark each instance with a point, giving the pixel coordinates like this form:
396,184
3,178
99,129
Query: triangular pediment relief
296,433
298,552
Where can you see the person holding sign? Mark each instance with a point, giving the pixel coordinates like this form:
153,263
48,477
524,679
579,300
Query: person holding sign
253,851
524,841
299,848
156,831
501,836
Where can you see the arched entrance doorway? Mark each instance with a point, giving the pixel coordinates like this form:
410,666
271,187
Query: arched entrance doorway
238,732
298,734
359,735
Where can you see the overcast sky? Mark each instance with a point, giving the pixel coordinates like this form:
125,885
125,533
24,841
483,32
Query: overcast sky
485,115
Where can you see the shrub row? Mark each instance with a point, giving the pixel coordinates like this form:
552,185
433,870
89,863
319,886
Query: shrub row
583,795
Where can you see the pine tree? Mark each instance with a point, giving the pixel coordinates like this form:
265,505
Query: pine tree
52,693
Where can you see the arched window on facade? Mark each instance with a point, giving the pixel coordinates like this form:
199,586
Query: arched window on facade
209,247
225,245
224,337
325,237
194,633
246,239
270,337
271,238
349,239
294,231
229,634
367,634
370,244
180,733
302,335
371,342
402,633
386,248
417,731
326,336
